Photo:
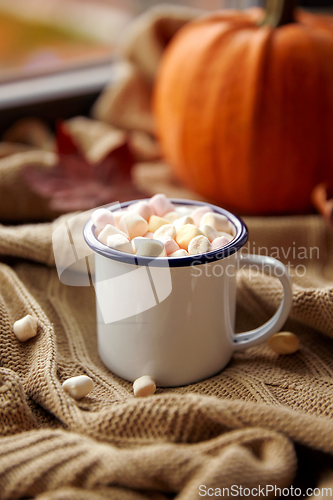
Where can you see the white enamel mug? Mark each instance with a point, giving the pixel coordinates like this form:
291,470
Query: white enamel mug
174,318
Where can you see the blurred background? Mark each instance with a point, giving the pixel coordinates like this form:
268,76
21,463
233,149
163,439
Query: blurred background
77,128
56,55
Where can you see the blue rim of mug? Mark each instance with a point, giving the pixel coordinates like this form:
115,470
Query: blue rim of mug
235,244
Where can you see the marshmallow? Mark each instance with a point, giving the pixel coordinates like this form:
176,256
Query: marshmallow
161,204
184,209
25,328
209,231
172,216
108,231
186,234
198,213
134,224
220,222
98,232
165,230
169,244
199,244
150,248
186,219
232,229
136,242
144,386
163,254
119,242
179,253
78,387
102,217
219,242
284,343
226,235
155,222
142,208
118,215
134,229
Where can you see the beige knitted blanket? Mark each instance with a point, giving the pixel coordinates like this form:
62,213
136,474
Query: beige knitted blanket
237,428
266,420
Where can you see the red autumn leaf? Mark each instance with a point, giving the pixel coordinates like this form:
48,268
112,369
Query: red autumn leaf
64,142
75,184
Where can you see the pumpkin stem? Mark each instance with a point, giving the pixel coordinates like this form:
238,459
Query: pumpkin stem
279,12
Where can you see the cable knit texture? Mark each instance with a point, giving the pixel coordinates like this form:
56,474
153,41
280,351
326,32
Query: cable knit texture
264,420
238,427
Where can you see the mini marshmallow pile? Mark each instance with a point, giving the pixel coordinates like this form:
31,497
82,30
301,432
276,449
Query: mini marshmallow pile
158,228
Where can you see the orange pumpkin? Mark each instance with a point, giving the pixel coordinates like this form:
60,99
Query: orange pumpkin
243,104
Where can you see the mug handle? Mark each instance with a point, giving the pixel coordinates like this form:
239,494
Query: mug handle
273,325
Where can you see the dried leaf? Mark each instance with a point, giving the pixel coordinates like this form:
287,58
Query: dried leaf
76,184
65,144
322,198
